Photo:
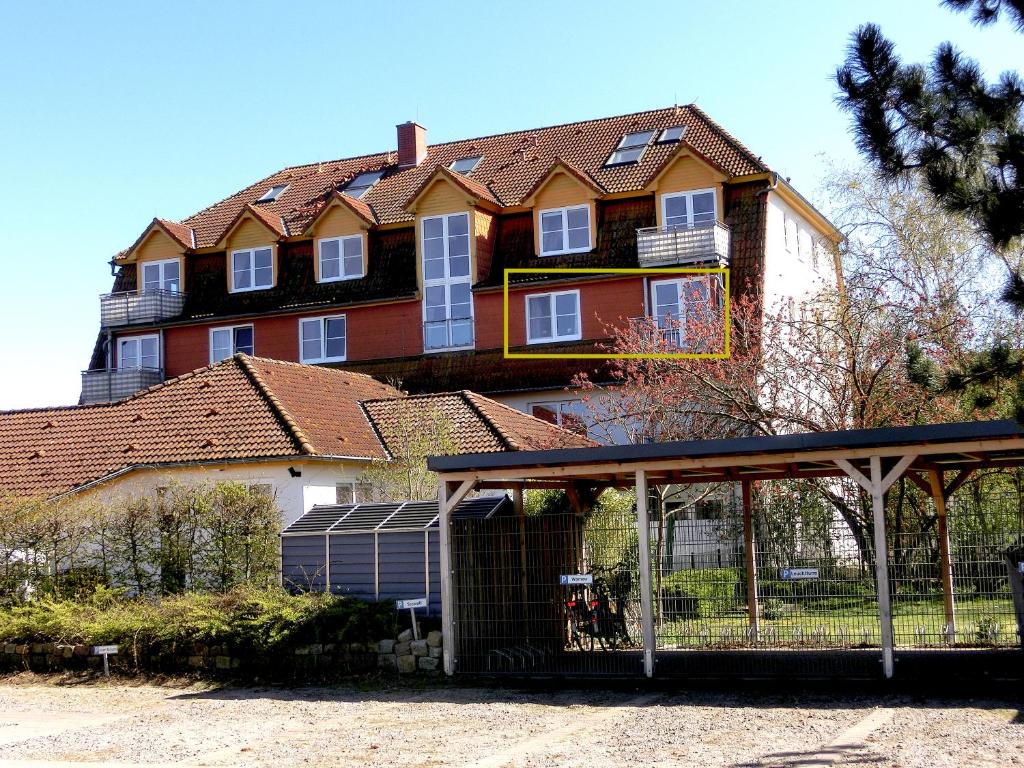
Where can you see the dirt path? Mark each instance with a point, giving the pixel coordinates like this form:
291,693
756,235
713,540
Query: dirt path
114,725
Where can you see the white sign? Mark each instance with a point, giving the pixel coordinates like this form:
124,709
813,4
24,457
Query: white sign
799,574
1020,567
419,602
103,650
576,578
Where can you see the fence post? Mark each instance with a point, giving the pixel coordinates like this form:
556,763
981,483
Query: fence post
644,557
945,562
751,560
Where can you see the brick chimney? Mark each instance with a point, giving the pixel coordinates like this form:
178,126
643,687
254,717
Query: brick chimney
412,144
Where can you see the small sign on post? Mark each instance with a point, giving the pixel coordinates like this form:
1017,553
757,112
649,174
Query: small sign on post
104,651
572,579
412,605
800,574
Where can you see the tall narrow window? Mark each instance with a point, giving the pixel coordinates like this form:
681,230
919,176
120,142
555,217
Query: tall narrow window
323,339
553,317
565,230
224,342
252,269
139,352
161,276
341,258
447,293
688,209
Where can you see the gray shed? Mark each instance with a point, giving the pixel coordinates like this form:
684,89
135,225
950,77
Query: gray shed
382,551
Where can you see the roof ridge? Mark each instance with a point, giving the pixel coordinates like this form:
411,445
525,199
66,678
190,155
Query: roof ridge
500,134
373,425
324,368
547,424
295,431
505,439
738,145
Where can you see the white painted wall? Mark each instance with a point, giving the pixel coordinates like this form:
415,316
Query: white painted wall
294,495
525,401
795,266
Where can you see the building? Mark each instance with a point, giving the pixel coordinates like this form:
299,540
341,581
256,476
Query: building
303,432
393,264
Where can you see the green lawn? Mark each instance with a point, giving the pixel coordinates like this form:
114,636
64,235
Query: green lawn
979,622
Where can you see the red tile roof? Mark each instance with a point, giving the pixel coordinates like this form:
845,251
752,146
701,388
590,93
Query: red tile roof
241,408
478,424
512,165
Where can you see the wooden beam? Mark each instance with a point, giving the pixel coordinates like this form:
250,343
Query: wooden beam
939,496
750,553
882,564
920,482
449,494
962,477
643,523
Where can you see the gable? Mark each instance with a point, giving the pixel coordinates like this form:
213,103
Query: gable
157,246
442,197
562,189
249,234
338,221
686,173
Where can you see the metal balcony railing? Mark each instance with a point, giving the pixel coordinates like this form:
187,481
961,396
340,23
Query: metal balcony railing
139,307
107,385
665,246
448,334
665,335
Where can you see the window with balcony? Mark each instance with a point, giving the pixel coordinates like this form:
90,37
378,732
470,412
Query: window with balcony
138,352
161,276
447,293
674,301
553,317
688,209
323,339
341,258
252,269
565,230
224,342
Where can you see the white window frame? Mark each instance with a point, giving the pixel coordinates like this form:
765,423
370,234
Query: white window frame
447,281
341,258
234,349
554,318
139,339
162,266
323,357
252,269
564,212
689,194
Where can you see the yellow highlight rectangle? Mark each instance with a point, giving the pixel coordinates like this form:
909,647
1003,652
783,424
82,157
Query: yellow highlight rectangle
664,272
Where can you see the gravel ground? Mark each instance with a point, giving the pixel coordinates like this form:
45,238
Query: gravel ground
185,725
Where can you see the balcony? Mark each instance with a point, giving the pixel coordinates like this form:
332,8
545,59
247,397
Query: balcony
442,335
106,386
139,307
679,245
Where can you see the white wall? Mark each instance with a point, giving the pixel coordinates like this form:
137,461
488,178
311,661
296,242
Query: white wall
524,401
294,495
797,266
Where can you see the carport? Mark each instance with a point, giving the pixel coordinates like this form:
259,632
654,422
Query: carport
937,458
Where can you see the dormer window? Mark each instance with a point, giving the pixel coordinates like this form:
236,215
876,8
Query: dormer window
161,276
672,135
465,165
362,183
686,210
630,148
252,269
273,193
341,258
565,230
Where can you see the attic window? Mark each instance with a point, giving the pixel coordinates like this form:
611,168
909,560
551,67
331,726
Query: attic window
273,193
630,148
465,164
672,135
362,183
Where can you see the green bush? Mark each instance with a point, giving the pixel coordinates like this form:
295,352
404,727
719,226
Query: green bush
247,619
715,588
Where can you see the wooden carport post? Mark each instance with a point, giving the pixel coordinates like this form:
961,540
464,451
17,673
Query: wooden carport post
877,486
643,524
749,541
449,494
939,495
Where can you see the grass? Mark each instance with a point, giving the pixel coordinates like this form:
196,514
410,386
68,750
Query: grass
979,622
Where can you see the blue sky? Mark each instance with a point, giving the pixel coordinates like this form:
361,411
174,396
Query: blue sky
116,112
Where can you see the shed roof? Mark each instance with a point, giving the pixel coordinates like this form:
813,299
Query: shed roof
390,516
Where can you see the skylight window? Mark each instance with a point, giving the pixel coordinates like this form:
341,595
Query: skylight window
630,148
362,183
273,193
672,135
465,164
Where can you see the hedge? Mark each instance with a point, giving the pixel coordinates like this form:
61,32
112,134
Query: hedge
715,589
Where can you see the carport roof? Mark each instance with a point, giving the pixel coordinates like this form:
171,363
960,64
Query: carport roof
943,446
